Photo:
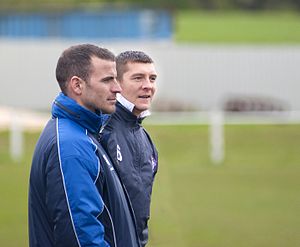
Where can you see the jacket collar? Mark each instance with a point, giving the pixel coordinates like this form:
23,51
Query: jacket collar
123,113
65,107
130,106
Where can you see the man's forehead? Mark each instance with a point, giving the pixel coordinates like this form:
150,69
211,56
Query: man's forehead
98,63
140,68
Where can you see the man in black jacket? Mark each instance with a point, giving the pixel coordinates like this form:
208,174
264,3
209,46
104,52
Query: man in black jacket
126,141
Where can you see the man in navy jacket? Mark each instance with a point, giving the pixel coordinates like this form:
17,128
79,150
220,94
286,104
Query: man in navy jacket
75,195
127,142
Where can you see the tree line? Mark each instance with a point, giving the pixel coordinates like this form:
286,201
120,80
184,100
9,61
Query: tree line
162,4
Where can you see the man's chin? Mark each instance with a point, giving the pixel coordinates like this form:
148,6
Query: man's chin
109,110
143,107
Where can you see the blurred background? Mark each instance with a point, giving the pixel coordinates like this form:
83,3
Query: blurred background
226,117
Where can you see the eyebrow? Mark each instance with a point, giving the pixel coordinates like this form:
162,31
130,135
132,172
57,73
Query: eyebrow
138,74
142,74
107,78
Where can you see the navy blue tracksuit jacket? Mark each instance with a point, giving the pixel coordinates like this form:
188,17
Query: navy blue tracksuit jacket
75,195
135,159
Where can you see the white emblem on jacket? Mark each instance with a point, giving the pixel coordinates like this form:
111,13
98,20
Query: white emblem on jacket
119,155
153,163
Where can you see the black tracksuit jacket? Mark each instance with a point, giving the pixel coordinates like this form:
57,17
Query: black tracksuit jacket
135,159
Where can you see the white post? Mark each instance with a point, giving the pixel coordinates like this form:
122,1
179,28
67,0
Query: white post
216,137
16,137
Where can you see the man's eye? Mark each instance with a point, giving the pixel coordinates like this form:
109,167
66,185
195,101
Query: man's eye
152,79
107,80
138,78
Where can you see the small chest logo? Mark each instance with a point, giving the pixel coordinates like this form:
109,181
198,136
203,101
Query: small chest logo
153,163
119,155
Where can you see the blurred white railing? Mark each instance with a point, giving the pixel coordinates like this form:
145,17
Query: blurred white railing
204,118
216,121
18,120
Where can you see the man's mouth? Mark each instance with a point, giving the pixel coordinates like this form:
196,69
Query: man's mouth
144,96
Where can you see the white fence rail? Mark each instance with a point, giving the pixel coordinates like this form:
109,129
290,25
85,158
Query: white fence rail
17,121
216,121
204,118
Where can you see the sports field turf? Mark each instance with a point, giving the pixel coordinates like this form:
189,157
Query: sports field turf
237,27
251,200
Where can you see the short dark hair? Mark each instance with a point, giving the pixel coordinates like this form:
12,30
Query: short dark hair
130,57
76,61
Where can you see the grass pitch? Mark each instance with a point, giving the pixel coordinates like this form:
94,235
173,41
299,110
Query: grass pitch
250,200
237,27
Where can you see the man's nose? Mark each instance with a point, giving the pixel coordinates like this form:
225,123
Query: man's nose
116,88
147,83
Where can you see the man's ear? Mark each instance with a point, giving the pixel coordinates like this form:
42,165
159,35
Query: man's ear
76,85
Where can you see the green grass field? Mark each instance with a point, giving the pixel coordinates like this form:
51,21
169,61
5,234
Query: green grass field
251,200
238,27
